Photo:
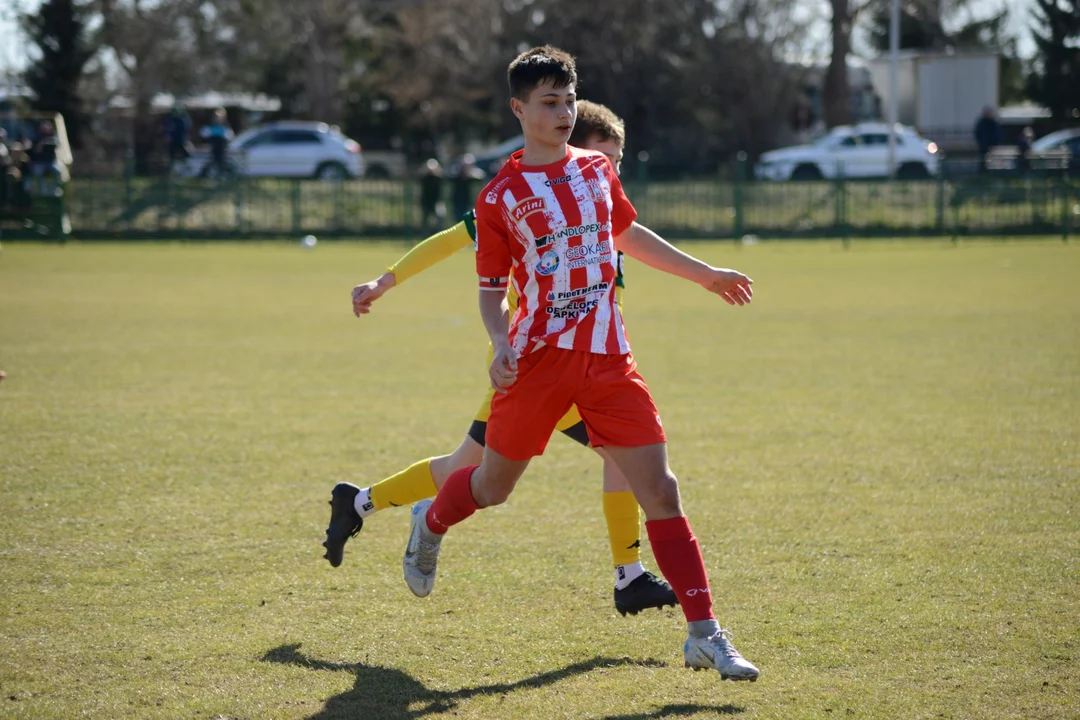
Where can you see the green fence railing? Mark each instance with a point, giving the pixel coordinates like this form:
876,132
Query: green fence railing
101,208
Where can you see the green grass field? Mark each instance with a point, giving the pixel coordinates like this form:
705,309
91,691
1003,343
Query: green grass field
879,457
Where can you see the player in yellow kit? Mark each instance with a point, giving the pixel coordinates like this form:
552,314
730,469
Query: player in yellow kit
597,128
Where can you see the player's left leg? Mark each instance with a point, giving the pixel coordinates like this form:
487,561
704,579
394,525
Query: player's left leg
622,418
678,555
636,589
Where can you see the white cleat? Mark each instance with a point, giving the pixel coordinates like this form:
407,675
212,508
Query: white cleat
422,553
717,653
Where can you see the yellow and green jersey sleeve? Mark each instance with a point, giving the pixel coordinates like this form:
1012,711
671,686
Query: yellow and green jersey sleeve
433,251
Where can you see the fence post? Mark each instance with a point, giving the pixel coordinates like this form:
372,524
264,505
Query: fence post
163,206
339,206
956,215
296,221
238,204
642,181
407,192
941,197
1066,206
841,206
737,193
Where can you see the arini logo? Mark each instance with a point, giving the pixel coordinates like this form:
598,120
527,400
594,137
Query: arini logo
527,207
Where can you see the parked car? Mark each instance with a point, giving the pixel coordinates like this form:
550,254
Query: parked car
855,151
491,160
289,149
1057,151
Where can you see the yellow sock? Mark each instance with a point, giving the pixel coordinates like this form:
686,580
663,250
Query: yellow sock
408,486
623,526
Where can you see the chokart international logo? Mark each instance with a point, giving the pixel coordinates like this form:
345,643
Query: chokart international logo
549,263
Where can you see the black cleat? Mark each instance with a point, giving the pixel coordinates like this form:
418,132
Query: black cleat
646,591
344,522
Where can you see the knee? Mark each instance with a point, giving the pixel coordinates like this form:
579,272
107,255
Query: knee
664,496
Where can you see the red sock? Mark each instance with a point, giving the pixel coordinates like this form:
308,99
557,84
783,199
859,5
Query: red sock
678,555
454,502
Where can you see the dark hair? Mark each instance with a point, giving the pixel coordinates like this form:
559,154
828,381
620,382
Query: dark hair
537,66
594,119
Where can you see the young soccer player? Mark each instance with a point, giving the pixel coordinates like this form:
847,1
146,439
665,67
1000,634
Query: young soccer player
597,128
549,224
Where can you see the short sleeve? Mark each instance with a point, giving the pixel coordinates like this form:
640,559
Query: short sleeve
493,260
623,212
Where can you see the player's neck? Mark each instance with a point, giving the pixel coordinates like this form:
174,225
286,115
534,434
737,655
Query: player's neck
540,153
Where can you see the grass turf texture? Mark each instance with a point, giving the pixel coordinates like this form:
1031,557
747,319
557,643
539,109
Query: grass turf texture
879,458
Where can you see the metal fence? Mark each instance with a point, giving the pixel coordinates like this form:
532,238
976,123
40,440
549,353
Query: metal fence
132,207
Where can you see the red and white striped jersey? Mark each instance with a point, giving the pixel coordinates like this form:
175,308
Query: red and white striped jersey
549,231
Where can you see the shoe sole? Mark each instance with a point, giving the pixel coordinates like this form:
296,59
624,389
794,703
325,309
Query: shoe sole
733,678
624,610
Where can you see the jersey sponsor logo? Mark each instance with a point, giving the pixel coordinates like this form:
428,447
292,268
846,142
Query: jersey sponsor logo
574,231
557,181
527,207
549,263
597,289
581,256
571,310
493,195
581,251
596,191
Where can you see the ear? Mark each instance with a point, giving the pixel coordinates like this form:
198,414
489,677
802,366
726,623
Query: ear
518,108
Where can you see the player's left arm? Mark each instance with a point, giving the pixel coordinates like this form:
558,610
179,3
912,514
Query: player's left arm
639,242
643,244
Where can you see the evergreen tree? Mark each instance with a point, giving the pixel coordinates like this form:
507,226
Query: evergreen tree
1055,80
59,30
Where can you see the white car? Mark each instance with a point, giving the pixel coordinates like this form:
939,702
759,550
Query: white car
852,151
291,149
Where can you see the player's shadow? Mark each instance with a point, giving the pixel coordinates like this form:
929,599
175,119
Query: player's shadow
387,694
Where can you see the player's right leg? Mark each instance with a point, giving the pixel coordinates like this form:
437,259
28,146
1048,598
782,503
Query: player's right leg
521,422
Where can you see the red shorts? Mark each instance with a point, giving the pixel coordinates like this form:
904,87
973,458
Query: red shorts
609,393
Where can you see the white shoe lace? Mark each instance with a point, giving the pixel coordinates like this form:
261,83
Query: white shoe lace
721,641
427,554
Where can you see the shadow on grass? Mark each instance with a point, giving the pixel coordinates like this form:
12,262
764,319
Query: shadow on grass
682,710
387,694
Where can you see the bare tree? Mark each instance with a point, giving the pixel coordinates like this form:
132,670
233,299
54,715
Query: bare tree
156,45
836,94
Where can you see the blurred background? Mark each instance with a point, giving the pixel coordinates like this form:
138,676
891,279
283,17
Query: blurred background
410,90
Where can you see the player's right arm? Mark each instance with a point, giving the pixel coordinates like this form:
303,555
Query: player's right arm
422,256
494,265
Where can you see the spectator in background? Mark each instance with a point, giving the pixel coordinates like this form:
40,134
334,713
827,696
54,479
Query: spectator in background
218,134
464,185
1023,150
5,166
177,131
431,204
17,171
44,170
987,134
